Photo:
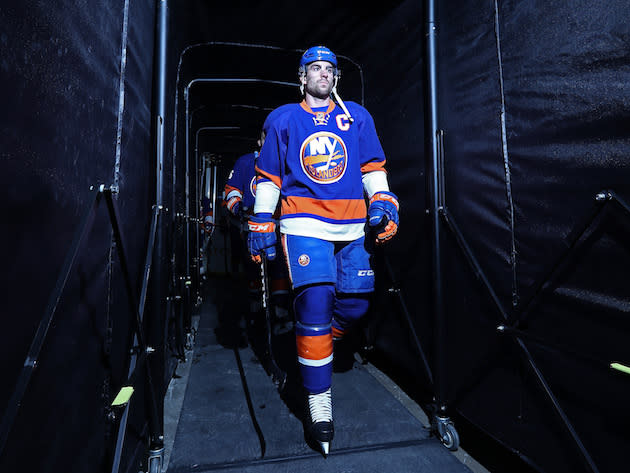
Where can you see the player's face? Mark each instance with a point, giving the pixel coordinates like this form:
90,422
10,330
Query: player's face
319,79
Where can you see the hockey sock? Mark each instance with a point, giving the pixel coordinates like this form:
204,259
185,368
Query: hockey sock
313,332
348,309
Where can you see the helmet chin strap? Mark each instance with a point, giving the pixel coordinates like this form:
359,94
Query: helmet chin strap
339,101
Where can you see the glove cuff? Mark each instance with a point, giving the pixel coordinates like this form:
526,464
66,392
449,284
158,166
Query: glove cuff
386,196
231,203
260,224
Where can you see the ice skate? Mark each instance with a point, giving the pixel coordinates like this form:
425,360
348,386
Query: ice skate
321,427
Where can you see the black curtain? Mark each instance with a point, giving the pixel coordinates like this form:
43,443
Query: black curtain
534,98
77,85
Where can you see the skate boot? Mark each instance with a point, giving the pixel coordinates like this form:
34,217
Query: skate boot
321,427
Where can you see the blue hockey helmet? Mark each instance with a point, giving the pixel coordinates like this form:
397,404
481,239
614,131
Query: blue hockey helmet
318,53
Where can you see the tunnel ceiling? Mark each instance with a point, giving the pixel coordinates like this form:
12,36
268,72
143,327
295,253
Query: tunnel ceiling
232,88
235,75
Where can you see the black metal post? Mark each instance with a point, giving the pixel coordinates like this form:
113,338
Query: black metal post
187,279
442,425
155,325
434,189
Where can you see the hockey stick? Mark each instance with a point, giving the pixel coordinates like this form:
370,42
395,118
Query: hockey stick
278,376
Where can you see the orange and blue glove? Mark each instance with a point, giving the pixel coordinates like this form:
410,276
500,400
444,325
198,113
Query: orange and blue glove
262,237
383,215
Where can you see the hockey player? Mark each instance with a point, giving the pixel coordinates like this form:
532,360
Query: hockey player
240,192
322,159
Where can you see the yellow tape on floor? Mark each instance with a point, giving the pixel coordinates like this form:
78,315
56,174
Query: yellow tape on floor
620,367
123,396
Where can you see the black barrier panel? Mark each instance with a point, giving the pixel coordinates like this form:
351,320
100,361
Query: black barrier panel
534,98
45,159
567,98
77,103
393,60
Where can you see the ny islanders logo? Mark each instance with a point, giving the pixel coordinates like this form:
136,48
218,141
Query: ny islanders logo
252,186
324,157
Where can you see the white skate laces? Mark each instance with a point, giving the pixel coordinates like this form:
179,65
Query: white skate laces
320,406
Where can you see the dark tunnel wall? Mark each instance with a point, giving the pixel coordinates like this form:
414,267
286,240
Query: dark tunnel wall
76,116
521,191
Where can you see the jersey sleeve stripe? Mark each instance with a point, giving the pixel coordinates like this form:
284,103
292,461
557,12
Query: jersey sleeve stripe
373,166
233,193
374,182
229,189
275,179
267,195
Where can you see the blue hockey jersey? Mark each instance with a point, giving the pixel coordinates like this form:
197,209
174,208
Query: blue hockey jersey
317,159
242,181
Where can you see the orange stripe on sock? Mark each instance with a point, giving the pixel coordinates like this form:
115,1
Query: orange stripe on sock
337,333
314,347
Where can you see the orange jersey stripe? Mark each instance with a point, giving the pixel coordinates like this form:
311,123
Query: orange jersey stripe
229,189
314,347
275,179
334,209
373,166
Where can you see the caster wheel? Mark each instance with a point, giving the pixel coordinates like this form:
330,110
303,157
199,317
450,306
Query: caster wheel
449,437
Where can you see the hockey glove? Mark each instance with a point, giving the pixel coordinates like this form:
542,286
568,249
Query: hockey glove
262,237
383,216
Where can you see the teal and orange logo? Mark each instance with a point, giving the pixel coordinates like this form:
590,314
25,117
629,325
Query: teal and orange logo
324,157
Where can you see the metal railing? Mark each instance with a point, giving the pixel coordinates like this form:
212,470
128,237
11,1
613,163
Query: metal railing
136,307
512,325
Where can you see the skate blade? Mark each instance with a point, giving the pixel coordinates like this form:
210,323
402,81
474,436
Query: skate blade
325,447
